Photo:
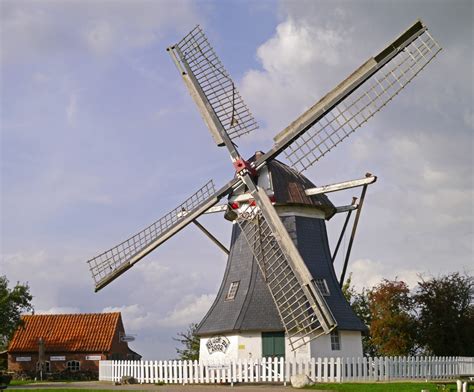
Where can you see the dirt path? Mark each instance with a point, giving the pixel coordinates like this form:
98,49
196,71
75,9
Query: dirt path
158,388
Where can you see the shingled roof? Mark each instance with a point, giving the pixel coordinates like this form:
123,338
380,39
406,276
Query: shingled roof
67,332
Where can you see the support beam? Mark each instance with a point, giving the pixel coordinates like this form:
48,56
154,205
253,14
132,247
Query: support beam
351,241
211,237
343,231
369,179
218,208
345,208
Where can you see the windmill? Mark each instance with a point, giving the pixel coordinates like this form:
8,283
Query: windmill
251,199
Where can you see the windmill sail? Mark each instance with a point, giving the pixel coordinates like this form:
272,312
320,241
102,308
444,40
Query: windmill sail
196,58
109,265
356,99
302,308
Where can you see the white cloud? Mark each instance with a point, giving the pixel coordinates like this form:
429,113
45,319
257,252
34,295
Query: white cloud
52,274
290,79
469,118
59,310
100,37
134,316
153,272
30,29
24,31
296,46
368,273
188,310
71,109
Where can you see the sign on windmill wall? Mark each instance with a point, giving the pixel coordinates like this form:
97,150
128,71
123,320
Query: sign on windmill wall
217,344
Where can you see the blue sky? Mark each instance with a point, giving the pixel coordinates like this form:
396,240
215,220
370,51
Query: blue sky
99,138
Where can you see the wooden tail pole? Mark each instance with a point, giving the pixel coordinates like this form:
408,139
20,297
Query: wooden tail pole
341,236
354,229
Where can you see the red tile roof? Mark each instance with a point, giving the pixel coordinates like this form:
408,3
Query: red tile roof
67,332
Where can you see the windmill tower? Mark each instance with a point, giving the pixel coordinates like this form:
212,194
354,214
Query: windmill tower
279,293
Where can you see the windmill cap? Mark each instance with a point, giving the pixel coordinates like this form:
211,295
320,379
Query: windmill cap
289,187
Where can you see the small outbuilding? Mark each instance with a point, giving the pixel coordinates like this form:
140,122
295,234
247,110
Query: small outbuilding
71,342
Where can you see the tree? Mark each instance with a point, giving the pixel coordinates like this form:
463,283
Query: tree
13,303
190,341
392,324
360,305
446,315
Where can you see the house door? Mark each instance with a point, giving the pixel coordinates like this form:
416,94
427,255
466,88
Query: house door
273,344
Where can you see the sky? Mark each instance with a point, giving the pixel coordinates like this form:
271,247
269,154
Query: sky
99,138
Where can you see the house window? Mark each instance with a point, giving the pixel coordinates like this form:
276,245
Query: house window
234,286
322,286
335,340
46,367
73,366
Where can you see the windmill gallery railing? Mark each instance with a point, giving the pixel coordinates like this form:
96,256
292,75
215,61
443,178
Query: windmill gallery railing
279,370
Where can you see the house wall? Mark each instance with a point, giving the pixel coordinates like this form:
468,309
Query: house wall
350,342
249,345
16,365
120,350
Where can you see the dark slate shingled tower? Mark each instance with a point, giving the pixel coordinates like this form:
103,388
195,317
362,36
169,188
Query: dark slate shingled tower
252,308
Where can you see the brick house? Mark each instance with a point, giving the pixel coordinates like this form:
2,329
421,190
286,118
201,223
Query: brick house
72,342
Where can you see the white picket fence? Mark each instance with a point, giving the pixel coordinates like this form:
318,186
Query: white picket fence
279,370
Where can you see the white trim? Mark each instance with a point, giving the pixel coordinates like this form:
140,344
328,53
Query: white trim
306,212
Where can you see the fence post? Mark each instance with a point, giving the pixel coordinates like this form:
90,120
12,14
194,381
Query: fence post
339,365
185,372
239,370
312,366
286,372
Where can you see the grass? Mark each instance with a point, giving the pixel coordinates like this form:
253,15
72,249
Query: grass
65,390
387,387
26,382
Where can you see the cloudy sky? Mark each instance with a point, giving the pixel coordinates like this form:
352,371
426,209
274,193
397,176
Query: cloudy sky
99,138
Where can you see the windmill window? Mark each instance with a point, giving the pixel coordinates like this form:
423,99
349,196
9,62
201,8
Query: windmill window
335,340
73,366
234,286
322,286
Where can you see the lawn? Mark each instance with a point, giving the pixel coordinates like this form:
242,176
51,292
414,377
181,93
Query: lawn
26,382
386,387
65,390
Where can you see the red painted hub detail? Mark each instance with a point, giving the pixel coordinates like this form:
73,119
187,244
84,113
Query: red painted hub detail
242,164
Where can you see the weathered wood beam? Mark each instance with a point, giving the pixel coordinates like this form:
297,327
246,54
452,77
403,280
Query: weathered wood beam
369,179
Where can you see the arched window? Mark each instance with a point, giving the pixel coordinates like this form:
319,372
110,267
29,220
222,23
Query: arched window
46,367
73,366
